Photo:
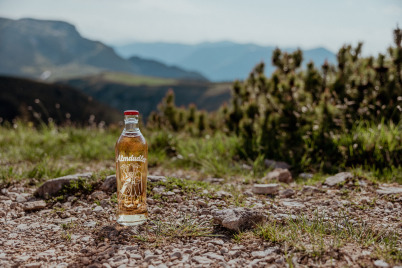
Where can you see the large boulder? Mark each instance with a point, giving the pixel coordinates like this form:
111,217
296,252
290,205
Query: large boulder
237,219
52,187
110,184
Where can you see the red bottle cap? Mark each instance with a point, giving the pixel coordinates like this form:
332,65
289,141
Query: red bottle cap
131,112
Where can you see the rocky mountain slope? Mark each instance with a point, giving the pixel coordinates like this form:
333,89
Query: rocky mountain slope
55,49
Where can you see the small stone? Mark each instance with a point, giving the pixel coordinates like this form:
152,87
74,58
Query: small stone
201,260
98,209
35,205
309,190
22,227
202,203
338,178
168,193
98,195
20,199
178,199
52,187
282,175
271,188
158,190
157,210
238,218
176,254
264,253
154,178
212,255
287,193
224,250
33,265
381,263
293,204
135,256
223,194
151,201
248,193
85,238
149,258
389,190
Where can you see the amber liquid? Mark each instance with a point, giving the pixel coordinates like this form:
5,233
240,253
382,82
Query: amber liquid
131,178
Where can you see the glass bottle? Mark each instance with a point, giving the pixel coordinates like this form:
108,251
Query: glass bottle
131,172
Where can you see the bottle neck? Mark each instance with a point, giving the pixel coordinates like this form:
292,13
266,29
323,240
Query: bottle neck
131,124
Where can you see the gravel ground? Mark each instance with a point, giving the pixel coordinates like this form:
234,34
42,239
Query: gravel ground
181,231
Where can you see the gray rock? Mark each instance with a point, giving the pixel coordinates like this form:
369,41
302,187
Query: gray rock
202,203
98,209
223,194
35,205
90,224
52,187
248,193
293,204
20,198
135,256
212,255
148,258
389,190
176,254
287,193
237,219
309,190
282,175
338,178
381,263
33,265
201,260
110,184
271,188
276,164
168,193
153,178
98,195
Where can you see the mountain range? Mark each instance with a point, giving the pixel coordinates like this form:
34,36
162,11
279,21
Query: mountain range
55,49
219,61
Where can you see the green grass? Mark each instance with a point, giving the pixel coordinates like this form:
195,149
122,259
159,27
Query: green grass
36,154
318,236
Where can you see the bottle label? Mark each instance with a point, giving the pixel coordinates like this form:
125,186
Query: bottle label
132,178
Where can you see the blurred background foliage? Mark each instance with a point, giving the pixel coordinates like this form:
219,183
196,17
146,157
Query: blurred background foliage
321,119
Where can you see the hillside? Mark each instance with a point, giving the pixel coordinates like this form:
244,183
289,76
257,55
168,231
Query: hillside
220,61
55,49
125,91
158,69
37,102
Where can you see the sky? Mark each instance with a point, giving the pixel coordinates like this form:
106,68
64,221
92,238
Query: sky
284,23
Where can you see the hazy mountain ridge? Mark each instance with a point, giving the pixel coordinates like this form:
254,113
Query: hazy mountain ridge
218,61
55,49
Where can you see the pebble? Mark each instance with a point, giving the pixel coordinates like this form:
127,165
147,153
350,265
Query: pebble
271,188
201,260
98,209
338,178
35,205
381,263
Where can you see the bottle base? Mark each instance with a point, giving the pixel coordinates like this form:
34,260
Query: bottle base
132,220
